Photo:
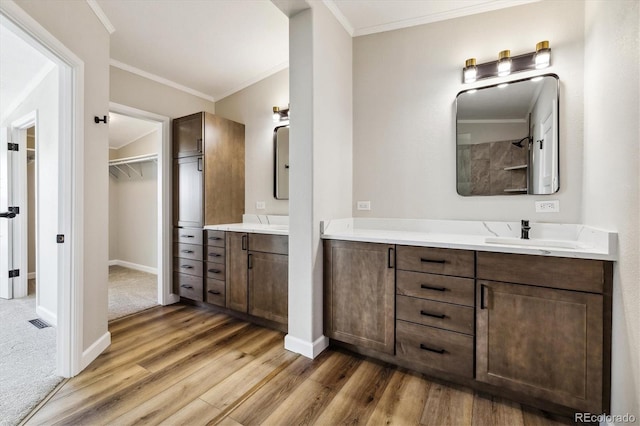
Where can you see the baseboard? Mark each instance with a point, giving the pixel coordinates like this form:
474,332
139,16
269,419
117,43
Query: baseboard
31,276
305,348
48,316
93,351
135,266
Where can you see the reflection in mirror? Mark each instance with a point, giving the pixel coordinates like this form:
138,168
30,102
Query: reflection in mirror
507,138
281,163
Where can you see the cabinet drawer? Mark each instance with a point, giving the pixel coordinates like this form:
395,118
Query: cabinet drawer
215,238
188,286
436,260
187,235
187,251
215,271
433,348
435,287
436,314
215,254
277,244
544,271
215,292
187,266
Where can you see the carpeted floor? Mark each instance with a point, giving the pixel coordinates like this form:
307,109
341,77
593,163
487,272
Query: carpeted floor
27,359
130,291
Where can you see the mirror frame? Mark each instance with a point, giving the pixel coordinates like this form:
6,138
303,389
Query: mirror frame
276,152
557,134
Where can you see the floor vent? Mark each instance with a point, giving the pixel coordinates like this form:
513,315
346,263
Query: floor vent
38,323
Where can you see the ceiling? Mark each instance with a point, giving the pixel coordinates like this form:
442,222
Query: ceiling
124,129
214,48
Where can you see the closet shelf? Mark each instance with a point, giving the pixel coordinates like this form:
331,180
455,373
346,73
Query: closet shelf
120,163
516,190
523,166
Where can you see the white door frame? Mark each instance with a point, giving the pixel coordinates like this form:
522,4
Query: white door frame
164,256
20,235
69,339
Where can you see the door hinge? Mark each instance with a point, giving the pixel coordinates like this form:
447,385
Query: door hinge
12,146
14,273
60,238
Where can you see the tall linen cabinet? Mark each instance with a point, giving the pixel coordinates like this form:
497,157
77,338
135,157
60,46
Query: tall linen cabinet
208,189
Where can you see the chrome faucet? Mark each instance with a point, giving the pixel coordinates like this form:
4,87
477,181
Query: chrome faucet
524,229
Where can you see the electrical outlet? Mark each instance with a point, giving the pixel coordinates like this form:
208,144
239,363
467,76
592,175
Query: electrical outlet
260,205
551,206
364,205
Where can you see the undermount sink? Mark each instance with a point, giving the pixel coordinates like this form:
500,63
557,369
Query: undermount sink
534,242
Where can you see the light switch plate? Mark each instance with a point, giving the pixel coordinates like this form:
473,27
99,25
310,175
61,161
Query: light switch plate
363,205
551,206
260,205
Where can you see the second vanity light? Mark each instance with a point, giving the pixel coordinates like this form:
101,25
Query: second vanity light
506,64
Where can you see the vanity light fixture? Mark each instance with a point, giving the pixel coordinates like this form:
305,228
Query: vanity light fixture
507,64
280,114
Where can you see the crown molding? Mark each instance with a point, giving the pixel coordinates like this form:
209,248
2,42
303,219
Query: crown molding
333,7
93,4
259,77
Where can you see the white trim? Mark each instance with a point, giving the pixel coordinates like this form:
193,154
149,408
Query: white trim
259,77
135,266
71,118
95,349
333,7
35,82
165,230
305,348
104,19
158,79
47,315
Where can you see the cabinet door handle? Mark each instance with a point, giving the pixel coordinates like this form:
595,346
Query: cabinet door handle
244,242
186,266
427,348
482,297
441,261
428,287
214,271
391,258
213,292
429,314
214,255
187,286
199,164
250,262
187,251
187,236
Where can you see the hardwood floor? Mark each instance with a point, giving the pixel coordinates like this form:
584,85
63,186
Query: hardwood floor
181,364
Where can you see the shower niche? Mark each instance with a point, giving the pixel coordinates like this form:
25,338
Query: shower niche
507,138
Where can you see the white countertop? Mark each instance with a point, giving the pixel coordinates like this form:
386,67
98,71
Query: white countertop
560,240
260,224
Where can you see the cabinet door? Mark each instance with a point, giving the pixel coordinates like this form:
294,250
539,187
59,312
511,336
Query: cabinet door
359,294
269,286
544,343
188,135
187,192
236,271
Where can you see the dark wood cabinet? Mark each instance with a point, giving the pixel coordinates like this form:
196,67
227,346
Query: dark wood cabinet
359,289
269,286
188,135
237,263
188,210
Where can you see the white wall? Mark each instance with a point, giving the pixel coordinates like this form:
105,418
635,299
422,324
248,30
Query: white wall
75,25
404,88
611,177
253,107
44,99
133,206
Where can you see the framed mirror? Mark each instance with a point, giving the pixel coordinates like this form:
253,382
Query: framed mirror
507,138
281,162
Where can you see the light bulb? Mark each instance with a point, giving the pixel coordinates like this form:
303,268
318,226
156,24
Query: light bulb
504,63
470,70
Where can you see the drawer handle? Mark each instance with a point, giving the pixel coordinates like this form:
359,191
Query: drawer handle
187,286
186,266
428,287
429,314
427,348
187,251
187,236
214,271
215,238
213,292
391,258
441,261
244,242
214,255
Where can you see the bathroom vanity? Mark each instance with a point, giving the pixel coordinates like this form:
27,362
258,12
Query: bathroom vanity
533,326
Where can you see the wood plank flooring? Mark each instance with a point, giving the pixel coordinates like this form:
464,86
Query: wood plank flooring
184,365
